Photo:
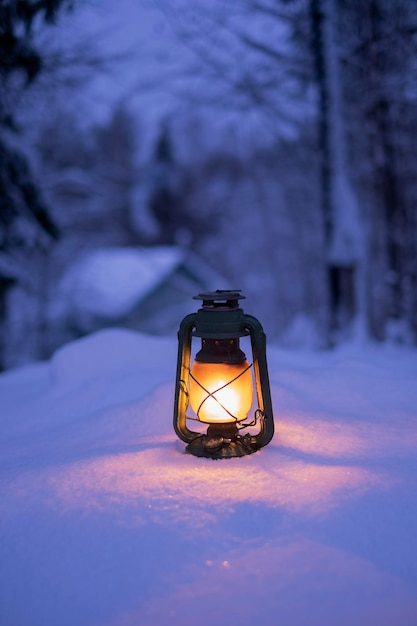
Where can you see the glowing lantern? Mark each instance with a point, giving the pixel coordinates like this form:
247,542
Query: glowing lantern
219,385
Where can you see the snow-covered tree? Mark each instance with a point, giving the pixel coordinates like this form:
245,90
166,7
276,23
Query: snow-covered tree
361,71
380,70
170,189
25,220
116,172
342,217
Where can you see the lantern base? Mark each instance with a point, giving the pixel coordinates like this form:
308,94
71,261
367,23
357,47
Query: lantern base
218,447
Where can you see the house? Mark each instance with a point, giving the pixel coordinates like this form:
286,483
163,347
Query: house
147,289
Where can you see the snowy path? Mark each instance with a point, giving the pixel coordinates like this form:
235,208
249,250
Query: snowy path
104,521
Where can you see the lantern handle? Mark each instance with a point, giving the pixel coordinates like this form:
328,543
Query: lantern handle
260,368
183,369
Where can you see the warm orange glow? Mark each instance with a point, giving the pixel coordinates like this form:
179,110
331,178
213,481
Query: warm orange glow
213,399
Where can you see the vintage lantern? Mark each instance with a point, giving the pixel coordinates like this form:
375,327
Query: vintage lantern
218,387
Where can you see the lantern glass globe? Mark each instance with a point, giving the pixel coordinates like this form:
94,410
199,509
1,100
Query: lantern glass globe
221,392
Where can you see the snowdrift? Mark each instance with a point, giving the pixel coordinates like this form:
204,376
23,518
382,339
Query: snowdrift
106,521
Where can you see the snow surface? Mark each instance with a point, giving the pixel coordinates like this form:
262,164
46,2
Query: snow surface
106,521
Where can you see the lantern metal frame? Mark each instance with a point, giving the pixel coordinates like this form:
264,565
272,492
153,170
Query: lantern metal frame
221,317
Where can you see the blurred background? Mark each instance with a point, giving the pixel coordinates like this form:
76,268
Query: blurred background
153,149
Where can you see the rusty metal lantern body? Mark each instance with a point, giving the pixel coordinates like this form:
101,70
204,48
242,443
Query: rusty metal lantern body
219,385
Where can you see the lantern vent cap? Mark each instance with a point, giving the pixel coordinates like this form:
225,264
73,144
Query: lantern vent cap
220,299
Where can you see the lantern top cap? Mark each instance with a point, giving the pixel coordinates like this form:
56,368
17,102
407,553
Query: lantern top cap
221,298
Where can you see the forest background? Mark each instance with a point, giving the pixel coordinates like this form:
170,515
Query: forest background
276,140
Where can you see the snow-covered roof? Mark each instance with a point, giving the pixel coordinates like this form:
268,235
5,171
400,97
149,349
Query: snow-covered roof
108,282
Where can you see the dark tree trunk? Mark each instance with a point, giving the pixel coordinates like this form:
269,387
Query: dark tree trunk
340,275
390,237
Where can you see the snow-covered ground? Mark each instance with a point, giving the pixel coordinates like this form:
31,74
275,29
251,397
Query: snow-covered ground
105,521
